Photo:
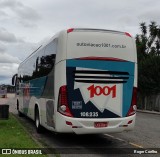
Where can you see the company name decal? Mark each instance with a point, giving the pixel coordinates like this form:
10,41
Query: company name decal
103,45
98,90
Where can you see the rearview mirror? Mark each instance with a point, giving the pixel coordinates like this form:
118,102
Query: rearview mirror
14,78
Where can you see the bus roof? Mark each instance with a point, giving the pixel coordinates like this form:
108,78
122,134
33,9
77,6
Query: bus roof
96,30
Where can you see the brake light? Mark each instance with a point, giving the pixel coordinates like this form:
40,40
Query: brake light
133,107
70,30
63,107
129,122
69,123
127,34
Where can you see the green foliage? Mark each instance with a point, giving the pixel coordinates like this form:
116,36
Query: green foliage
149,75
148,50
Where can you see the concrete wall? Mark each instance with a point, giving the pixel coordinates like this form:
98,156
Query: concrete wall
150,103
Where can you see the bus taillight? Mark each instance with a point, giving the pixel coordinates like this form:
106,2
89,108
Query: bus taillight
133,107
63,107
70,30
127,34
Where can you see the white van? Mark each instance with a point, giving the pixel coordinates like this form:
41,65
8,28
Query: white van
82,81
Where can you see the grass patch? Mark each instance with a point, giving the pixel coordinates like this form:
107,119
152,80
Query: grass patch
13,135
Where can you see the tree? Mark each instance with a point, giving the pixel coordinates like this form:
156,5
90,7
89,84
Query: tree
149,39
148,50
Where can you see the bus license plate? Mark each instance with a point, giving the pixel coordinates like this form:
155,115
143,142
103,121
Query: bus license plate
100,124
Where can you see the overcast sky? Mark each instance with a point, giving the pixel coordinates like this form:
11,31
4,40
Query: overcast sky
24,24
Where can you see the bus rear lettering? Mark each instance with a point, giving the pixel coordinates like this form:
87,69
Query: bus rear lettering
98,90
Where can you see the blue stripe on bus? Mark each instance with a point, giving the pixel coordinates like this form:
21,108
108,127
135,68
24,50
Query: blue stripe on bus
37,86
127,66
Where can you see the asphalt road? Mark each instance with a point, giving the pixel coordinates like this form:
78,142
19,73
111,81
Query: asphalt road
145,135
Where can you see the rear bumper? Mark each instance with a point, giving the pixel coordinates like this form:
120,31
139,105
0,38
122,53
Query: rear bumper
86,126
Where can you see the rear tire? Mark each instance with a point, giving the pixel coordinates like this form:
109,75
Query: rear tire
39,128
20,114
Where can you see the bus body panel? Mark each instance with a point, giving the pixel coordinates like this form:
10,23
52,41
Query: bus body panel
37,89
86,126
60,79
105,56
109,97
100,44
62,45
87,53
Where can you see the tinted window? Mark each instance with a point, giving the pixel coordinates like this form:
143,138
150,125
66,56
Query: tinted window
41,63
51,48
46,62
50,53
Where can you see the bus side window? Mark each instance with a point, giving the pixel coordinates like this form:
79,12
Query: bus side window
51,48
35,66
50,54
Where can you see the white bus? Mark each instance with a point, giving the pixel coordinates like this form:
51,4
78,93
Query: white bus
82,81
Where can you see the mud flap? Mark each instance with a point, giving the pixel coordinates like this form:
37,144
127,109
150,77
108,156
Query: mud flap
50,113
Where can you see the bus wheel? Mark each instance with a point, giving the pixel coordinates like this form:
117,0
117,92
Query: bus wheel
20,114
39,128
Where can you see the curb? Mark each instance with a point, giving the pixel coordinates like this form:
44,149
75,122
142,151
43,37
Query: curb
150,112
